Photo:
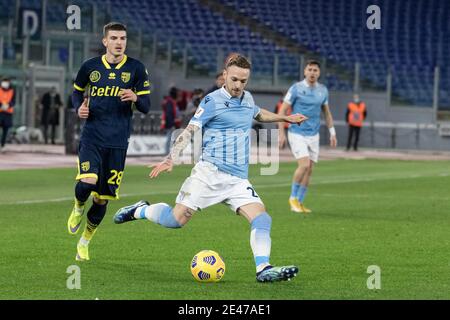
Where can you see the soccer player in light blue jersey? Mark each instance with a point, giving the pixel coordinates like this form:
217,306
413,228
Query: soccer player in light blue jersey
225,119
309,98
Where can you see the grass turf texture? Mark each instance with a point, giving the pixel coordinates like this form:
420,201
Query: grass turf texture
393,214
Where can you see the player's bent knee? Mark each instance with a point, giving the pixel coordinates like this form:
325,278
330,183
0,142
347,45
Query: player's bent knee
304,166
182,214
100,202
84,186
83,190
251,211
304,163
89,180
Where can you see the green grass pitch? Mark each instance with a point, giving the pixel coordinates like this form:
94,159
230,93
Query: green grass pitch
392,214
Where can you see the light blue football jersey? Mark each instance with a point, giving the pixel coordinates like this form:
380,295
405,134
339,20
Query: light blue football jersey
226,124
307,100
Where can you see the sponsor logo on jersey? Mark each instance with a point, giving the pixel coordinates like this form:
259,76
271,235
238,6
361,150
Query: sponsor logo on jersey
108,91
85,166
94,76
125,76
199,112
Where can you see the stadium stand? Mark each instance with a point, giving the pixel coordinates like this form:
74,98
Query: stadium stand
205,31
336,33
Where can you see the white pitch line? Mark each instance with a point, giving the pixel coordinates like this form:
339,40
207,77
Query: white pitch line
125,195
368,196
262,186
355,179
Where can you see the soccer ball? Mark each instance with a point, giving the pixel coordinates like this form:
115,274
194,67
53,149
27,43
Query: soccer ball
207,266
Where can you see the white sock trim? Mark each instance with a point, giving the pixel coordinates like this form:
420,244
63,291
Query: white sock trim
261,266
84,241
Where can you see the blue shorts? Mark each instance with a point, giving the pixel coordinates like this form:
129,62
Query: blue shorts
5,120
104,164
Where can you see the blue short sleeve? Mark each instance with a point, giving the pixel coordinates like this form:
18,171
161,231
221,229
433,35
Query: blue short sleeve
325,100
291,95
256,110
205,112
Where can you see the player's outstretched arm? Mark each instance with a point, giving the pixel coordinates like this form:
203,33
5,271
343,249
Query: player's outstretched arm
281,134
267,116
329,122
180,143
281,117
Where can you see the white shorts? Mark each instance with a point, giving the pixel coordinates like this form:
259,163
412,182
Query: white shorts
207,186
304,146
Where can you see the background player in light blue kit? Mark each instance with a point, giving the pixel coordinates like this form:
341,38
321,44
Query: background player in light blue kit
309,98
225,117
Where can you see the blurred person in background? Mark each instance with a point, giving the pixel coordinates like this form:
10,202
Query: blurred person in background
171,116
219,82
197,96
183,97
51,103
355,116
7,101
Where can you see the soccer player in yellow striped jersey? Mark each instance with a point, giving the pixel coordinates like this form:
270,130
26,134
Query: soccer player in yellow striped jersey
115,84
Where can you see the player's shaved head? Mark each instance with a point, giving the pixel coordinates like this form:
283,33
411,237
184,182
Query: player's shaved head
113,26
